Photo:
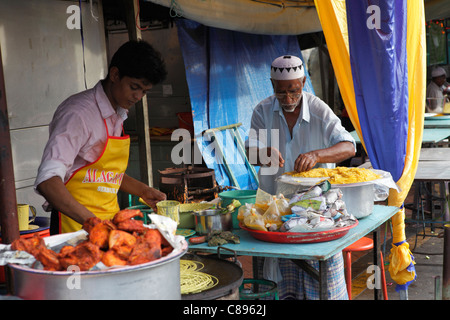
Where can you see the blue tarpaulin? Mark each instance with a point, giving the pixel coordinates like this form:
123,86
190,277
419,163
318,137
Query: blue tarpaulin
228,74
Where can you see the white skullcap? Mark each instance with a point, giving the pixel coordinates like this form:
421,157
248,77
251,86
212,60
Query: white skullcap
437,72
287,68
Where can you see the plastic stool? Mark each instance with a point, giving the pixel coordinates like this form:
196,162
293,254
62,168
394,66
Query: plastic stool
362,244
256,292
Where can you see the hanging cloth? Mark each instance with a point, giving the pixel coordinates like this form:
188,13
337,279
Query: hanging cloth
379,55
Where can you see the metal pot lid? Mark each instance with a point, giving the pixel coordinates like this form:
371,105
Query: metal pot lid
230,276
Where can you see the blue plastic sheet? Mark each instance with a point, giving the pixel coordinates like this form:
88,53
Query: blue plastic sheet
228,74
380,78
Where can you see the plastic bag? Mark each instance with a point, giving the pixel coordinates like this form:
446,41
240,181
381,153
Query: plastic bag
244,211
255,221
283,205
272,216
332,195
293,223
317,203
262,199
271,270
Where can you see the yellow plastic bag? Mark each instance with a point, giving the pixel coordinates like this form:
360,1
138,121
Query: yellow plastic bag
255,221
272,216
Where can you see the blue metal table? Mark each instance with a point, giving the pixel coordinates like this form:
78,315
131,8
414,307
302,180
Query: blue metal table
433,168
309,251
437,123
430,135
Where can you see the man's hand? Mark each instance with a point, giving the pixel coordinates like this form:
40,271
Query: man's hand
265,157
306,161
335,154
152,196
274,157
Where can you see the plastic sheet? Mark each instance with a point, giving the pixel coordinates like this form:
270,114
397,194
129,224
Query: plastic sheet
289,185
228,74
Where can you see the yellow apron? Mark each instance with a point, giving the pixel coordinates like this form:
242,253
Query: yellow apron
95,185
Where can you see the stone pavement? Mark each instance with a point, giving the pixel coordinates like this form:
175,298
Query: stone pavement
428,255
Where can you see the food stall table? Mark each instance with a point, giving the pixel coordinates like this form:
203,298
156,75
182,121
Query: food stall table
320,251
434,154
428,173
430,135
437,123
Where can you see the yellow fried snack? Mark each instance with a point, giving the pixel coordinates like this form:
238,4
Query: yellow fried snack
192,280
339,175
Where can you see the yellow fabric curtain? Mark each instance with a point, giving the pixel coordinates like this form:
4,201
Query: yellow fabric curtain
332,14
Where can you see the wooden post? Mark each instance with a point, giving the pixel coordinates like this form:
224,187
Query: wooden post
142,123
8,202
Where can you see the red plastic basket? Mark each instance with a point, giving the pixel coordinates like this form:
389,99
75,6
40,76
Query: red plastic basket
299,237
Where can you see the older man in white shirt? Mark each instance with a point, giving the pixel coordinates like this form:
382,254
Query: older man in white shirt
293,130
436,90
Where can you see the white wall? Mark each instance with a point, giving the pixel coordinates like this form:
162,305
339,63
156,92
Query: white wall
43,65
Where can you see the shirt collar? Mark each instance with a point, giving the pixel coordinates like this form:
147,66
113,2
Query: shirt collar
104,105
304,112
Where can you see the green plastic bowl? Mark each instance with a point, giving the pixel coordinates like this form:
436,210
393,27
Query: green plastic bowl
243,196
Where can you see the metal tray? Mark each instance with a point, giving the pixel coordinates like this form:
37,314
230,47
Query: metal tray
230,277
299,237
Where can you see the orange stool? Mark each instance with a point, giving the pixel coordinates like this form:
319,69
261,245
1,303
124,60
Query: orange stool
362,244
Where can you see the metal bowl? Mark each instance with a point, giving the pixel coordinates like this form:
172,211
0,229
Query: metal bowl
155,280
212,219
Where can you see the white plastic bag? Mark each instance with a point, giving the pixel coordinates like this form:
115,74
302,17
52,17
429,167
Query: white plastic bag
271,270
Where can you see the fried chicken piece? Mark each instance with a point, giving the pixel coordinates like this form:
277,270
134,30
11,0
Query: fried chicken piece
143,252
110,258
126,214
85,255
65,251
119,238
31,245
166,250
156,239
90,223
49,259
99,234
153,237
131,226
122,243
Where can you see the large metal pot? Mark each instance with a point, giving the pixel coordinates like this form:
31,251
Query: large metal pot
212,219
159,279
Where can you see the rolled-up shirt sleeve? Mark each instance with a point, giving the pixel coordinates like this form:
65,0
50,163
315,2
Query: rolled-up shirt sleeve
257,123
68,134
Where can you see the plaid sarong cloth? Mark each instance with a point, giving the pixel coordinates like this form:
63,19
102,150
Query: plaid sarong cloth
297,284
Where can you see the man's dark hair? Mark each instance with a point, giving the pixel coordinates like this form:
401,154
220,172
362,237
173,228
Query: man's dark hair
138,59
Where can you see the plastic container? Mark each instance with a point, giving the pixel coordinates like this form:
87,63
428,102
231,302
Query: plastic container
169,208
243,196
210,220
358,200
187,220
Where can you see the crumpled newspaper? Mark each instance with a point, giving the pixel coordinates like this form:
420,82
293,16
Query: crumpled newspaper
10,256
